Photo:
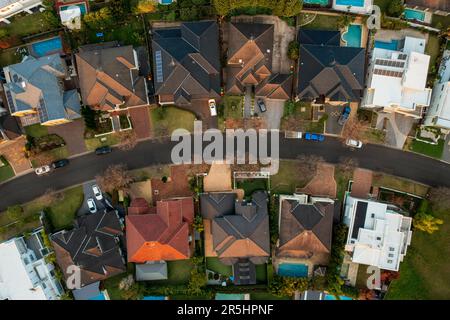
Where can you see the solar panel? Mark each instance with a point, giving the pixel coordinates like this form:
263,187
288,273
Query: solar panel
388,73
158,61
12,107
390,63
43,116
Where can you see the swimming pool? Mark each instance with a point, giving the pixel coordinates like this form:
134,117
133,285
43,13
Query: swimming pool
411,14
393,45
352,36
101,296
332,297
154,298
293,270
46,47
319,2
81,5
353,3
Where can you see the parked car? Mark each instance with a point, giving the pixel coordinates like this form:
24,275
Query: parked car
212,107
314,137
42,170
293,134
60,163
91,205
344,116
354,143
97,193
261,105
103,150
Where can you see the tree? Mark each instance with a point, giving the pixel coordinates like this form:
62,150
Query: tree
128,140
14,213
395,8
347,166
222,7
293,52
119,8
197,282
145,6
50,18
354,129
426,222
98,19
4,33
307,166
114,178
51,196
286,286
344,20
440,198
89,116
198,224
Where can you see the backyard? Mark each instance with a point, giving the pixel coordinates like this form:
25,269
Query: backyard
396,183
165,120
27,24
215,265
321,22
251,185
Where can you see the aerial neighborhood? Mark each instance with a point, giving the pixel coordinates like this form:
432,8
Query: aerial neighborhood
93,206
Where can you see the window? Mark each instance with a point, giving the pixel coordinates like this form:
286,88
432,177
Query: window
390,255
378,238
391,249
25,260
372,215
389,261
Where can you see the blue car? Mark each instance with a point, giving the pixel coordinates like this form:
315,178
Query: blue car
344,116
314,137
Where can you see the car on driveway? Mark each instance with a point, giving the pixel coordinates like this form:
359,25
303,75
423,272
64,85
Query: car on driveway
344,116
314,137
42,170
354,143
212,107
60,163
97,193
103,150
91,205
261,105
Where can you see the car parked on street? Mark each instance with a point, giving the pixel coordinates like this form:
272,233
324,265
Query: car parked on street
97,193
344,116
60,163
261,105
212,107
354,143
293,134
42,170
91,205
314,137
103,150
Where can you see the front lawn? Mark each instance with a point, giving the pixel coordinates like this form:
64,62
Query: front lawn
431,150
233,107
62,213
287,178
36,130
106,140
46,157
165,120
215,265
6,171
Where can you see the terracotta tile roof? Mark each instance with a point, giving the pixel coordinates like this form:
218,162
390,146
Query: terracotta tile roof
162,235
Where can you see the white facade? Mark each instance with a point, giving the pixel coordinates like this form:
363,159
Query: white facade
9,8
397,81
364,7
439,112
378,236
23,276
71,17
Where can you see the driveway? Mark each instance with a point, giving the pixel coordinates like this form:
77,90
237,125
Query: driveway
397,128
332,126
272,117
88,193
140,118
248,102
446,153
200,108
72,133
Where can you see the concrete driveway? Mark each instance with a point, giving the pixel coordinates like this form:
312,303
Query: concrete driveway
397,128
88,193
201,110
72,133
275,110
248,102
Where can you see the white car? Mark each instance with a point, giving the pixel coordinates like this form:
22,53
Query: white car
42,170
354,143
97,193
91,205
212,107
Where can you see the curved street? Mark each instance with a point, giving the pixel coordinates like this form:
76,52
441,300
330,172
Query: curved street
153,152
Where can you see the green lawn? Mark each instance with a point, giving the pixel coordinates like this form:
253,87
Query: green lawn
383,4
232,107
9,57
252,185
323,22
112,284
434,151
6,171
62,213
36,130
432,48
425,271
165,122
442,22
27,24
342,180
266,296
261,273
109,140
396,183
215,265
287,178
179,272
54,154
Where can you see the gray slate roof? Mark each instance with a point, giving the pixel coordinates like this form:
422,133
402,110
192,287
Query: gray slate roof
151,271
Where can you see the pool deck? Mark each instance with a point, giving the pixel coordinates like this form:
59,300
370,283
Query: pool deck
388,35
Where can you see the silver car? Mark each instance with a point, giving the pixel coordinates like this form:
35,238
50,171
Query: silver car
97,193
91,205
42,170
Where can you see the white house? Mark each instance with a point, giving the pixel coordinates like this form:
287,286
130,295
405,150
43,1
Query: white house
397,78
438,114
9,8
24,274
353,6
378,235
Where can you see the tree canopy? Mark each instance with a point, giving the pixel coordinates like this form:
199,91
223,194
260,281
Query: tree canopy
282,8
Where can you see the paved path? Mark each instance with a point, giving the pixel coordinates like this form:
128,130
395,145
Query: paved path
248,102
153,152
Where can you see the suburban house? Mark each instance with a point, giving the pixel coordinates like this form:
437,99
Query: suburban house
441,7
438,114
249,65
158,234
398,77
109,77
71,11
38,91
357,7
305,229
237,232
93,245
24,273
9,8
329,73
378,234
186,63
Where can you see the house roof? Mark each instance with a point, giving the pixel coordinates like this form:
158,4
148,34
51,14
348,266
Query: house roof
109,76
163,235
240,229
328,70
443,5
37,83
87,292
305,227
92,246
279,86
151,271
186,61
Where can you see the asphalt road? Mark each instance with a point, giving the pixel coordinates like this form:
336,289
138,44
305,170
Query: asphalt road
153,152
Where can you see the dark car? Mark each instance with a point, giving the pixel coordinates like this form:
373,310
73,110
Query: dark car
261,105
344,116
60,163
103,150
314,137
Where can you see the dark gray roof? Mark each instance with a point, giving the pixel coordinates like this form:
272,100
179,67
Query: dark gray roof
151,271
88,292
217,204
319,37
244,272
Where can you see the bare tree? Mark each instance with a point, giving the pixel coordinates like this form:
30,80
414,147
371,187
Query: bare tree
307,165
347,166
354,129
440,198
51,196
115,177
128,140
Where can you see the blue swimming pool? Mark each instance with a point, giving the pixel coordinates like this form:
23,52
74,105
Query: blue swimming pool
166,1
353,3
393,45
411,14
46,47
101,296
332,297
154,298
319,2
352,36
82,6
293,270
